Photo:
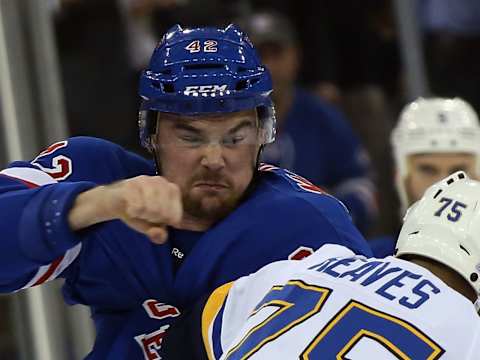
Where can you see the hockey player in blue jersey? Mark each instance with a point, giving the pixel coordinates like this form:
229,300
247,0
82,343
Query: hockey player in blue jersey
88,211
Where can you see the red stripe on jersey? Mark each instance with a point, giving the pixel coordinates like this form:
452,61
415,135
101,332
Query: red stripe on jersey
55,264
52,148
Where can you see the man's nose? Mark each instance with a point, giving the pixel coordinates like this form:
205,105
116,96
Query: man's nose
213,157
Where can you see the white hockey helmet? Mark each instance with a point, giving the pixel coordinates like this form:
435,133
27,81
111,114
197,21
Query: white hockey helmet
436,125
444,225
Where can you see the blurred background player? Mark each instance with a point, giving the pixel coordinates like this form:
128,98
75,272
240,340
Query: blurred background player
313,137
338,305
434,138
85,209
351,59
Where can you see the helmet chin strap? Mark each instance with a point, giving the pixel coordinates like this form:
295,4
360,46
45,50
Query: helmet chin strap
257,162
153,151
157,164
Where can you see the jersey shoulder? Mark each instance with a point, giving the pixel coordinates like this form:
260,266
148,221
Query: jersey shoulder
87,159
289,189
291,206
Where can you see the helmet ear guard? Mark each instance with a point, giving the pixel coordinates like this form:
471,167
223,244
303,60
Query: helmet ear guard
147,125
445,226
267,120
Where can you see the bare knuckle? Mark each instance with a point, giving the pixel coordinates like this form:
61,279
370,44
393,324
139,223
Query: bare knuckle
158,180
142,178
131,187
173,191
136,209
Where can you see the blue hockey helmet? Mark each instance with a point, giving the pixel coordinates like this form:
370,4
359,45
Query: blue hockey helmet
205,71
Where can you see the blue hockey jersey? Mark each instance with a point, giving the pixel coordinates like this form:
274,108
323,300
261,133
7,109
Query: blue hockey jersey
117,271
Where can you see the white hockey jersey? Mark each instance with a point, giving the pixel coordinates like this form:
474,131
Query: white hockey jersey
335,305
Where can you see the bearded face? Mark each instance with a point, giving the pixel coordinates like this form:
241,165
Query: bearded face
211,158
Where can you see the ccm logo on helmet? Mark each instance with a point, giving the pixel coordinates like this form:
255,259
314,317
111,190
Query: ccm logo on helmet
202,89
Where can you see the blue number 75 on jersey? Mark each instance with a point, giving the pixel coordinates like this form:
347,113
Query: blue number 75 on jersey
297,301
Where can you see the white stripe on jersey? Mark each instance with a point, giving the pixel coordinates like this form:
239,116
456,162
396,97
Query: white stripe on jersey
33,176
49,272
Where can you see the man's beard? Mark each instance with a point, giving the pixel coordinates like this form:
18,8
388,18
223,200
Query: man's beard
210,206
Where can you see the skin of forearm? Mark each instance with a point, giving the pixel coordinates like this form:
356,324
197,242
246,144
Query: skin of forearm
90,207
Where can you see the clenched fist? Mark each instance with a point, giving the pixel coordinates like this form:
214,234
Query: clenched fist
145,203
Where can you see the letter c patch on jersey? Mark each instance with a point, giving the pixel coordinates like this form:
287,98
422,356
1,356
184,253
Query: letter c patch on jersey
158,310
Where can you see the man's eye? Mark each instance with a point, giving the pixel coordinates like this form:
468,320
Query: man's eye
427,170
233,140
191,139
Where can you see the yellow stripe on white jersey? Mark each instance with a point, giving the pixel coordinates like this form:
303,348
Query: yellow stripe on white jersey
209,315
